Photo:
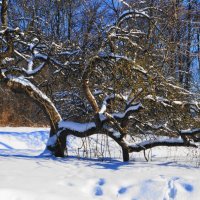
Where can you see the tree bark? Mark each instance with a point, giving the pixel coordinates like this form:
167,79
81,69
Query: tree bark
90,96
125,154
188,54
69,29
60,147
4,9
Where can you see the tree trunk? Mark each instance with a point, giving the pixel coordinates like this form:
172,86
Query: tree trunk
69,21
4,9
125,154
59,149
188,59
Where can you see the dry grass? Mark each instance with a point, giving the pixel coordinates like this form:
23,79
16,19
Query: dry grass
18,110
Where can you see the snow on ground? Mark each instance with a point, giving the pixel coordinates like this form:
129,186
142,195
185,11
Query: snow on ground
173,173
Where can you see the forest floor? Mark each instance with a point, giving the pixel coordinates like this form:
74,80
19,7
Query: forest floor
171,173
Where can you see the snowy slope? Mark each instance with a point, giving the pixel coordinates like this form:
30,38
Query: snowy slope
23,138
26,176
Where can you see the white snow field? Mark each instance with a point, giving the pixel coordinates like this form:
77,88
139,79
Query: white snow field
172,173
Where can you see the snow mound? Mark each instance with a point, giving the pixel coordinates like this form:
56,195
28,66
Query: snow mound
23,138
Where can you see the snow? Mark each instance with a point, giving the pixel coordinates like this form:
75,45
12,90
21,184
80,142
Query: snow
7,59
104,104
117,134
37,69
171,140
9,29
110,97
39,55
52,140
69,53
134,107
103,107
133,13
28,138
30,65
172,173
158,99
190,131
75,126
178,102
97,92
124,3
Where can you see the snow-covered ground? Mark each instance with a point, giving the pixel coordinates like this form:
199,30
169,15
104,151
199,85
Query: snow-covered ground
172,173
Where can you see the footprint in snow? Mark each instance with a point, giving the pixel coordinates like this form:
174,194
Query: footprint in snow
172,190
98,190
123,190
101,181
187,187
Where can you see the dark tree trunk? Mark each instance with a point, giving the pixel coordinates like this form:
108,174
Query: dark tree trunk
125,154
69,21
60,146
4,9
188,59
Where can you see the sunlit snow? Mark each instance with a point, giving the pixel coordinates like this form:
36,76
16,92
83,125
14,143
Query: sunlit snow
171,173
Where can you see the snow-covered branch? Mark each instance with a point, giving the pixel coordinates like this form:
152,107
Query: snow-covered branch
190,131
132,14
191,134
170,103
24,85
148,144
107,100
118,58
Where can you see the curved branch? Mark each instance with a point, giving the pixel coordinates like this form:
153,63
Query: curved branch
154,143
90,97
117,57
191,133
87,72
20,84
130,14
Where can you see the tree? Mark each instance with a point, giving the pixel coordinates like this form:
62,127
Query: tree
124,94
